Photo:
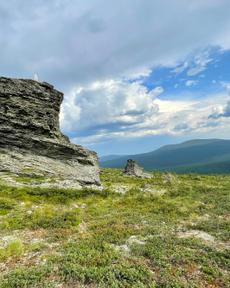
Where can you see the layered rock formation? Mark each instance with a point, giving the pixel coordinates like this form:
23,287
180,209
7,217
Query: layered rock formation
133,169
30,138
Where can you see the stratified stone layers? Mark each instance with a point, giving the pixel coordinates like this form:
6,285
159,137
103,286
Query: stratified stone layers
29,126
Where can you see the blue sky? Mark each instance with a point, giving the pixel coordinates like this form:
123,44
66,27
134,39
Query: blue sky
206,80
136,74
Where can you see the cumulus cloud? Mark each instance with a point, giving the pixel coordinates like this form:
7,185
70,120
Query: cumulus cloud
119,109
111,105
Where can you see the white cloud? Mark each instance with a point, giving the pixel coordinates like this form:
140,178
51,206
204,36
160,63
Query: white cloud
108,105
174,106
190,83
156,91
227,109
195,63
120,109
181,68
226,85
201,60
221,111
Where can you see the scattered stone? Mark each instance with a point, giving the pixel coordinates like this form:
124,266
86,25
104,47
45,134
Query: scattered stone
133,169
75,206
35,206
120,188
29,212
82,227
4,241
168,178
207,238
196,234
134,240
124,249
148,188
31,142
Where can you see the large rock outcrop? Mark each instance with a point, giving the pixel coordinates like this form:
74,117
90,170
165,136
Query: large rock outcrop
30,138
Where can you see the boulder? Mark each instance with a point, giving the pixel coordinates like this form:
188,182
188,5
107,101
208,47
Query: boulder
133,169
168,178
30,137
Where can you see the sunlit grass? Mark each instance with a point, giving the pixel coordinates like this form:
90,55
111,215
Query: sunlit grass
80,238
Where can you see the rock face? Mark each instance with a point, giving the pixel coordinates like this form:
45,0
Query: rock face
30,138
133,169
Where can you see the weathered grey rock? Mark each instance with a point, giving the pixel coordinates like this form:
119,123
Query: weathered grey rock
168,178
133,169
30,138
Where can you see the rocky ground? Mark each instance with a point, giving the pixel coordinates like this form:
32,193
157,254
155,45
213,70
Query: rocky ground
165,231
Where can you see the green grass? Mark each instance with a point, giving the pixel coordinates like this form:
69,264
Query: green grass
53,237
13,248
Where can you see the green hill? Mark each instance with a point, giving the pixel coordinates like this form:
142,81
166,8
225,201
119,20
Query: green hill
203,156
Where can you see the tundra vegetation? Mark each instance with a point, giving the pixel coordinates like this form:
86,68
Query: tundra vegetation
167,231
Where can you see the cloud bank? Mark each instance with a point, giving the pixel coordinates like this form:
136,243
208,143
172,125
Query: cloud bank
110,109
99,51
69,42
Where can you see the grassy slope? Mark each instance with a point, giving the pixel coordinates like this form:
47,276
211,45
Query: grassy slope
67,238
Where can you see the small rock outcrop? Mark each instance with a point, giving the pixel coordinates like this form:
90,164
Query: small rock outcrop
168,178
133,169
30,138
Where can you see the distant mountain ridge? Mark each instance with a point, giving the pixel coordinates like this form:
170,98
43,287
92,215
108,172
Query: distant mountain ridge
199,155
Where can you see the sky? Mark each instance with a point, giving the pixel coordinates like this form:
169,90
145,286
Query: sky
136,74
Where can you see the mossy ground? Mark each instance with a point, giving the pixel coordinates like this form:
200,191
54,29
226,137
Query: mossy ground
68,238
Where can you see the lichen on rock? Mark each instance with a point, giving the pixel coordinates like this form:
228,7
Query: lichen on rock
30,137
